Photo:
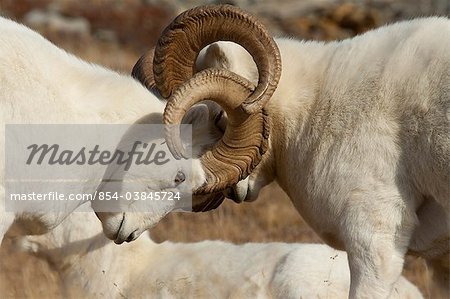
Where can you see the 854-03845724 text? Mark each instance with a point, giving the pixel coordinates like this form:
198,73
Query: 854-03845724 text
59,196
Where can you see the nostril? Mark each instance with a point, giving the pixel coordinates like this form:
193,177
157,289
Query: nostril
180,177
131,237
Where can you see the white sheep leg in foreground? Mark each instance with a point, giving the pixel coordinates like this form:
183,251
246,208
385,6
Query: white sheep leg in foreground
208,269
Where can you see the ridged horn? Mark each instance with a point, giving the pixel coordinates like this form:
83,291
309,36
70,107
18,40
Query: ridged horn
179,45
246,136
143,70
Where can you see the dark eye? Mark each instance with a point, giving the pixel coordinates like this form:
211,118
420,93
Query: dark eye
180,177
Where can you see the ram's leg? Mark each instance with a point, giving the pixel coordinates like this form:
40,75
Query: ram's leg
439,281
374,273
377,232
431,240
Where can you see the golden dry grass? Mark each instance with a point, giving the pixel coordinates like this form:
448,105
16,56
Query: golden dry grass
270,218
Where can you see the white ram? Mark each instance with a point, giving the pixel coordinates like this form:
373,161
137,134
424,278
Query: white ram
359,138
43,84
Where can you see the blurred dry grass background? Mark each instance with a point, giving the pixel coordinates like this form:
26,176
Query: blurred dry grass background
115,32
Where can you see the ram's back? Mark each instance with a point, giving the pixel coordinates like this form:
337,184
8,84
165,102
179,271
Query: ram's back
381,113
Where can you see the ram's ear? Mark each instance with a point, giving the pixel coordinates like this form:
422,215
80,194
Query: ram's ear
208,122
199,119
207,114
212,56
198,115
217,116
215,53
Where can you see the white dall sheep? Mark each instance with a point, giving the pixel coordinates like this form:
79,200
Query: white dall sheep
42,84
359,133
90,265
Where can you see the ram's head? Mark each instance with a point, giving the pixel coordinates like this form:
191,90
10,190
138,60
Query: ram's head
245,138
171,71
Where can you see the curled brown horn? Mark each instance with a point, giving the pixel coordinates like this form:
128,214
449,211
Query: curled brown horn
179,45
143,70
246,136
